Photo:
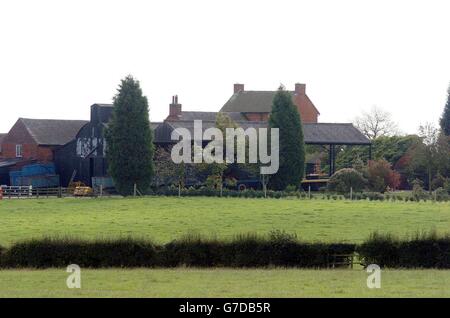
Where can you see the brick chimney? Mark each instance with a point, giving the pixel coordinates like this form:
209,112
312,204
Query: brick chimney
238,88
300,89
174,109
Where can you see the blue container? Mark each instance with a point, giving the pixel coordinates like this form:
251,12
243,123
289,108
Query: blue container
49,181
38,169
15,178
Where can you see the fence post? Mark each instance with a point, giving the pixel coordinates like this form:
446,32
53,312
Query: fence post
351,193
134,190
59,192
30,191
309,192
101,190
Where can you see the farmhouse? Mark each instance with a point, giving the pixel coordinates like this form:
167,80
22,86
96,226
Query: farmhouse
257,105
77,148
252,109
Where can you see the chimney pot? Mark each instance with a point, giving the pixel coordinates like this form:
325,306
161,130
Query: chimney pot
300,88
238,88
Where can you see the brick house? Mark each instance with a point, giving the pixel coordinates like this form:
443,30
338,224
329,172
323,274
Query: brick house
36,139
257,105
252,109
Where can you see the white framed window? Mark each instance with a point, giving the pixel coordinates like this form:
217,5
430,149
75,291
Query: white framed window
19,152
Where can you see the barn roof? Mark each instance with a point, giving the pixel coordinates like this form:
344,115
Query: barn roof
318,133
333,133
52,132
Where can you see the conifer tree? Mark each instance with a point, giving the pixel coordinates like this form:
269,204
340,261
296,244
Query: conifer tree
130,140
286,117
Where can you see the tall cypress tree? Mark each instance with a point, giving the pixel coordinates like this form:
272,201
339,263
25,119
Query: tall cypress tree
129,139
286,117
445,119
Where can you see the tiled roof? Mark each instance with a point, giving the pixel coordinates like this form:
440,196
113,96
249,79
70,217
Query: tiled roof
255,102
53,132
210,116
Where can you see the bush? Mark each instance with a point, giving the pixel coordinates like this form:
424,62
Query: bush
59,252
276,249
373,196
381,176
441,194
420,251
438,181
191,250
346,178
447,186
2,251
418,193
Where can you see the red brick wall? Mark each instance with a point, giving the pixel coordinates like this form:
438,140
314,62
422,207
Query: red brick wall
307,111
19,135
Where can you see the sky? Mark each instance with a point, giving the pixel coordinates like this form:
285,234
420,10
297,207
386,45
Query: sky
59,57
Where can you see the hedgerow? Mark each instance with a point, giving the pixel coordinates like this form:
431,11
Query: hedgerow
277,249
426,250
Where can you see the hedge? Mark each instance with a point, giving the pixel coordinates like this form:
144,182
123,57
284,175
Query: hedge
242,251
439,196
57,252
420,251
278,249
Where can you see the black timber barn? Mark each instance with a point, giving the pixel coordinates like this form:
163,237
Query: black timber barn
84,158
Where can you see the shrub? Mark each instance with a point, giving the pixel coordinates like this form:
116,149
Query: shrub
447,186
276,249
2,251
379,249
381,176
421,251
373,196
191,250
291,188
59,252
418,193
441,195
346,178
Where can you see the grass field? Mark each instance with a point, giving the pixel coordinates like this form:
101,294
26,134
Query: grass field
224,283
164,218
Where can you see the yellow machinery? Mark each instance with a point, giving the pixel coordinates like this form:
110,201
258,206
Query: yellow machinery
79,189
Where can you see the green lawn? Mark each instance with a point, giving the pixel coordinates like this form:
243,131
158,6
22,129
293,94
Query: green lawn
164,218
224,283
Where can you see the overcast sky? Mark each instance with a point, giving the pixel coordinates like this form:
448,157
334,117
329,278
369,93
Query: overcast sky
59,57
